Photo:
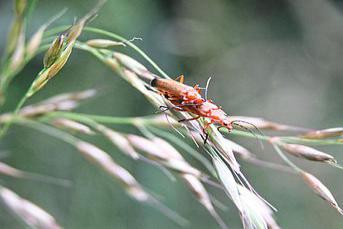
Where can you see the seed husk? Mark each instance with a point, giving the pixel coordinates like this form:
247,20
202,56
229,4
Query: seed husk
326,133
72,126
307,153
119,140
320,189
28,212
103,43
54,51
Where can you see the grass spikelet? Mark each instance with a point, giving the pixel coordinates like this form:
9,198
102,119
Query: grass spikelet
73,126
104,43
71,96
321,190
168,149
54,51
202,196
9,171
133,65
19,52
39,109
163,153
59,52
261,123
308,153
17,25
118,140
133,188
62,102
29,213
326,133
132,78
105,162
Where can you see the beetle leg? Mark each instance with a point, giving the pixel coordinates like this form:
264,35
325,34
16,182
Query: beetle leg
189,119
207,125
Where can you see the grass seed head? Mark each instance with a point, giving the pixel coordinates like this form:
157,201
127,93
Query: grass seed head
147,147
307,153
202,196
19,52
35,41
72,125
261,123
71,96
100,158
119,140
13,35
133,65
321,190
54,51
103,43
161,151
326,133
133,79
167,148
9,170
59,52
30,213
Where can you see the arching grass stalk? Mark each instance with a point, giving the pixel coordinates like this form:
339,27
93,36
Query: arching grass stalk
117,37
285,158
113,36
152,121
15,112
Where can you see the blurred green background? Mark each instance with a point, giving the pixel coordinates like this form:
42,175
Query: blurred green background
281,60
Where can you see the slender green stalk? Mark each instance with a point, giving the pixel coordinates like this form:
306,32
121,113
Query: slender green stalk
285,158
122,39
145,131
290,139
150,121
114,36
15,112
48,130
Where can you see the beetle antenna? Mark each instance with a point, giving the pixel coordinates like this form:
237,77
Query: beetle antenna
206,88
249,130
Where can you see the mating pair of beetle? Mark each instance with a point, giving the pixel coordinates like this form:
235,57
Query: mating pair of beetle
189,99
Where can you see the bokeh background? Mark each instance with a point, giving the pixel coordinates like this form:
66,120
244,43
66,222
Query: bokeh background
281,60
